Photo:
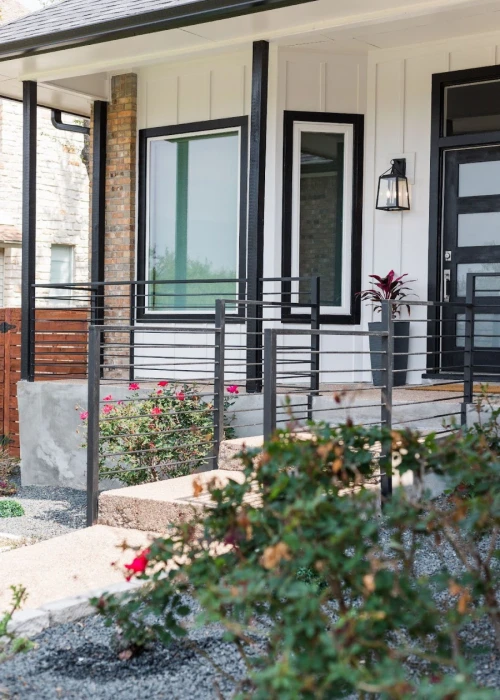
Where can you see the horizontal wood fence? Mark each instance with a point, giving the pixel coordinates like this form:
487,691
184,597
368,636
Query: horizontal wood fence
61,337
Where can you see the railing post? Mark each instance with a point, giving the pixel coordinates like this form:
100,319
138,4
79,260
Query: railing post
468,348
131,371
270,369
315,344
94,375
386,392
219,379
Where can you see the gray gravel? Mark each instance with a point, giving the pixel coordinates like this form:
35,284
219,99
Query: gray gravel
50,511
79,660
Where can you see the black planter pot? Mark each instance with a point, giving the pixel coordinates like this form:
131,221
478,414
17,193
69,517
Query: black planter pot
401,345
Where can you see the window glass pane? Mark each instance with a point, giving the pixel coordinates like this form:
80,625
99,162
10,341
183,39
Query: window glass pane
486,330
193,219
479,179
484,286
479,229
321,213
61,264
472,108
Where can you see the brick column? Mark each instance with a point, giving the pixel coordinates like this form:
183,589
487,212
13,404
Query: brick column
121,171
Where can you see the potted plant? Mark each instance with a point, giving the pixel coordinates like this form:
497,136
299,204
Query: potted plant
393,288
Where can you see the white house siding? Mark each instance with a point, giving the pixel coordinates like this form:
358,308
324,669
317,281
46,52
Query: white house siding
220,87
62,197
398,122
302,79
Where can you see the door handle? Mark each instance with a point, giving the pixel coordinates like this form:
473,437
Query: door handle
446,285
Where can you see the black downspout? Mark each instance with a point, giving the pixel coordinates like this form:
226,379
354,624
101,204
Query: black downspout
57,123
256,207
28,230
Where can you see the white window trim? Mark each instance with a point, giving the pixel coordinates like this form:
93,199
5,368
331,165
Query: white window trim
347,130
175,137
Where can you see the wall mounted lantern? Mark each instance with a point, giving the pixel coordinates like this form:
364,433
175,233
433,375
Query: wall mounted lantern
393,194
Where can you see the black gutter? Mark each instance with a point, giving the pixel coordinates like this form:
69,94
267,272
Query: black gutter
177,17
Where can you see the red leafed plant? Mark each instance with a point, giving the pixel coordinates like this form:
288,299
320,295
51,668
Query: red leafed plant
388,287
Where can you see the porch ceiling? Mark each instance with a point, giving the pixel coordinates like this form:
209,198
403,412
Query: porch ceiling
71,78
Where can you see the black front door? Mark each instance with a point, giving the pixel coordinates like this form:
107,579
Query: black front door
471,243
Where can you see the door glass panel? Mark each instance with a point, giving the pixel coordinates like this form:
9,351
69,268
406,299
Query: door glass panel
322,213
485,285
479,229
472,108
486,331
478,179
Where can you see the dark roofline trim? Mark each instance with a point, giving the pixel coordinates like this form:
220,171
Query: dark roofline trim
177,17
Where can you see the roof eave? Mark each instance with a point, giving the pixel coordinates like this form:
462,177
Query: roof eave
197,12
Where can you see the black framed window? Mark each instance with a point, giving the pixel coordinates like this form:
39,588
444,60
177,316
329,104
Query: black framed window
192,217
322,210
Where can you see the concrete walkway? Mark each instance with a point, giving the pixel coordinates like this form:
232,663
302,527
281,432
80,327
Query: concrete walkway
69,565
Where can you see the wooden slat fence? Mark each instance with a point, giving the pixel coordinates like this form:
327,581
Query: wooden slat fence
61,337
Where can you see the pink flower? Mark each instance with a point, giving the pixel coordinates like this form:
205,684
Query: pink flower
108,398
163,383
159,392
138,565
233,389
119,403
181,395
133,386
107,409
156,411
84,415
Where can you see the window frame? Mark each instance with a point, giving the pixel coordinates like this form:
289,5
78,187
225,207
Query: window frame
146,136
55,291
294,124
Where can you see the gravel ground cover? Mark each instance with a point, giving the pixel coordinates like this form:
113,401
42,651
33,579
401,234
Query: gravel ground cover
49,511
80,660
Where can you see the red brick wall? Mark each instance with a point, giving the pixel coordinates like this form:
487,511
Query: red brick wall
121,170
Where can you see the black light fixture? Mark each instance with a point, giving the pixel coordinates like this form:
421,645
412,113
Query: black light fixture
393,194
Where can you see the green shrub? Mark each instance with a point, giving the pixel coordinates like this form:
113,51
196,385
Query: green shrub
9,643
300,557
167,433
11,509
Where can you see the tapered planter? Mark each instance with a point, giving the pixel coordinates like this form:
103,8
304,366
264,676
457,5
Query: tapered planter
401,345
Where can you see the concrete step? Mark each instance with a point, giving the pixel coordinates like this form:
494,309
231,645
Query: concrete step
157,505
67,566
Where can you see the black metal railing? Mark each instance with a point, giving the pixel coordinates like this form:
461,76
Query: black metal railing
63,314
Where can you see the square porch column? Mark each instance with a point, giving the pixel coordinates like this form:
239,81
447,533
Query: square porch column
28,229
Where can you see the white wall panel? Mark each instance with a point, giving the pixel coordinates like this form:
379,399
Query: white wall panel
472,57
193,91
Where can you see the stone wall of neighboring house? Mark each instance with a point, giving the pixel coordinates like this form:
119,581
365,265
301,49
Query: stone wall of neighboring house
62,191
62,198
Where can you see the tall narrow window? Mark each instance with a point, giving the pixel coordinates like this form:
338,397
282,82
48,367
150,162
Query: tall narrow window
61,272
194,243
321,226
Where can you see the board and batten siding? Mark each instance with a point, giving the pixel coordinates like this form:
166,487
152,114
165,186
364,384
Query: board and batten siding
308,80
399,122
194,91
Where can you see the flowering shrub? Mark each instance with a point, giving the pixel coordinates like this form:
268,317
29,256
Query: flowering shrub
167,433
323,582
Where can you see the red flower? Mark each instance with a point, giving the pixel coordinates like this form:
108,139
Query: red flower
84,415
163,383
138,565
233,389
181,395
156,411
159,392
133,386
107,409
108,398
